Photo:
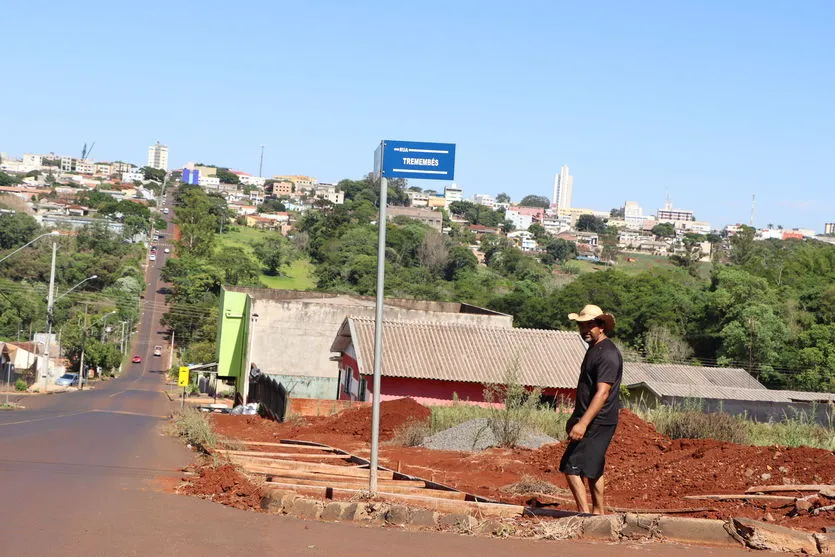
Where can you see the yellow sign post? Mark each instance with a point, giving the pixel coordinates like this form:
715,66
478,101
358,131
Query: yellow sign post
183,378
182,381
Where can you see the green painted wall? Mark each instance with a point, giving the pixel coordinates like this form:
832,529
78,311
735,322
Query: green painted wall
232,333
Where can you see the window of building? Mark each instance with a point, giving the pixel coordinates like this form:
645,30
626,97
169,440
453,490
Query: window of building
362,389
348,376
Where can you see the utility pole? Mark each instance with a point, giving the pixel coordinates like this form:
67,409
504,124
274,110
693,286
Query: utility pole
171,351
83,345
50,310
261,166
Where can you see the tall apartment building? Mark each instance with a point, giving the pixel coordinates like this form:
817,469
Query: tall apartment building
563,183
829,228
158,156
668,214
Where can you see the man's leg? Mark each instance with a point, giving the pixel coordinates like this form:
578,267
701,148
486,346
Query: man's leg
575,483
597,487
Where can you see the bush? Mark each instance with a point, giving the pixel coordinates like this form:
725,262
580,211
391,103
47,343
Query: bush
518,406
191,424
20,385
693,424
412,433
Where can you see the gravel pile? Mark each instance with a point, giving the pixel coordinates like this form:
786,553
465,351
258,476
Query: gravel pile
476,435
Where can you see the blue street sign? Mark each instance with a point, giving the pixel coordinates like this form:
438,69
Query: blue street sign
414,159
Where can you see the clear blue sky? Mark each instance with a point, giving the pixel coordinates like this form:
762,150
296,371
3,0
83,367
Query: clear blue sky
711,101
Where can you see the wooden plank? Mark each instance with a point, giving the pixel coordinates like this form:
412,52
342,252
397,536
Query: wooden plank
791,487
287,455
776,498
277,465
440,505
288,445
297,474
363,486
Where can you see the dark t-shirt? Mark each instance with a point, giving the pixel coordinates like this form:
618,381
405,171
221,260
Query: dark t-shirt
602,364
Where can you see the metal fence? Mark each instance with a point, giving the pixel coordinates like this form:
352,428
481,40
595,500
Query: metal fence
272,396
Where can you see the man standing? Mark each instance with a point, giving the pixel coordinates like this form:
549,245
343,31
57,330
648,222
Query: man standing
592,424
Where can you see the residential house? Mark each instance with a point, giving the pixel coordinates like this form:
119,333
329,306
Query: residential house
428,217
288,334
438,363
261,222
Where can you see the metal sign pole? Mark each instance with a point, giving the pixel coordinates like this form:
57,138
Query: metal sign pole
378,335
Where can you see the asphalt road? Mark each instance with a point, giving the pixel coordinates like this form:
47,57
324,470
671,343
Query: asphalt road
90,474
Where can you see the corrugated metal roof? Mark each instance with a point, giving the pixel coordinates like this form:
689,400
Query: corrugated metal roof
681,390
455,352
809,396
712,392
689,375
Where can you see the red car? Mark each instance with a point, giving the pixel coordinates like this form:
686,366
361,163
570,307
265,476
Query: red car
137,359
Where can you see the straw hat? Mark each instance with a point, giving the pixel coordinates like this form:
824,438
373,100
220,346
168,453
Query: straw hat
594,313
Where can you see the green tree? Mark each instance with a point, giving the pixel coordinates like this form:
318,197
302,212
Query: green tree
560,250
196,223
590,223
236,268
618,213
664,230
502,198
538,231
157,174
273,252
754,338
535,201
272,206
8,179
16,229
227,177
742,245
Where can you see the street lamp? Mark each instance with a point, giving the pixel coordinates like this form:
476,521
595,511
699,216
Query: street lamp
104,322
50,311
53,233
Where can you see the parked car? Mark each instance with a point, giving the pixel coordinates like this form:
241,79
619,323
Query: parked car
165,211
157,350
153,257
166,250
68,380
137,359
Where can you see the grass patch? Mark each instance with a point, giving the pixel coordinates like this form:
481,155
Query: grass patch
543,419
412,433
688,421
694,424
193,426
297,276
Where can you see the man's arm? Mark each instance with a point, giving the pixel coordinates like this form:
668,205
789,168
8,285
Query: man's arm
598,400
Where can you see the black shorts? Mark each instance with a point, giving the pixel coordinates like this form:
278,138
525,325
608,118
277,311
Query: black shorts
587,457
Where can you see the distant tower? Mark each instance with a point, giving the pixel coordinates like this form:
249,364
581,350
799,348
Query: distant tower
753,209
563,183
158,156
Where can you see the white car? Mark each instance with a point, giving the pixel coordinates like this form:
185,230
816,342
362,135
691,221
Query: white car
166,250
153,257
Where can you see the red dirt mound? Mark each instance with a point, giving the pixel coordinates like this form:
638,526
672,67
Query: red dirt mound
225,484
357,421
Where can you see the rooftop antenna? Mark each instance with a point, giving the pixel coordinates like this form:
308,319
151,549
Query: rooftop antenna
261,166
753,209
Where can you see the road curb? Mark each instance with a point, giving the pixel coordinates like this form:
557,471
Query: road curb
627,527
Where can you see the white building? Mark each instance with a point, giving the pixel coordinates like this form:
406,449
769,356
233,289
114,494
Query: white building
104,169
563,184
633,214
209,182
452,193
85,167
32,161
250,180
132,176
67,164
158,156
520,221
418,198
671,215
484,199
329,192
